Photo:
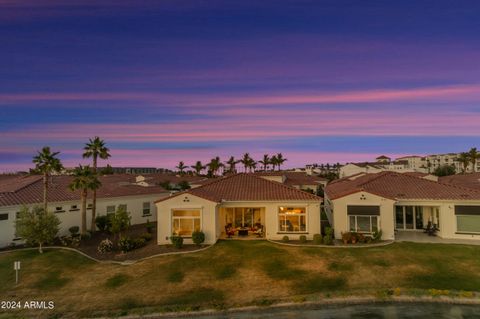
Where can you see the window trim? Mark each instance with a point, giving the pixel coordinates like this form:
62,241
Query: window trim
460,232
356,224
149,209
293,232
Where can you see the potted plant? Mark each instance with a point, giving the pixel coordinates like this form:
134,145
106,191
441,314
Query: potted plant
354,238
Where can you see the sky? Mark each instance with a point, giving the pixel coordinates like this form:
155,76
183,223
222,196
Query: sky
173,80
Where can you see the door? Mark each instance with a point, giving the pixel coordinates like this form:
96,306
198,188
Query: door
399,217
409,217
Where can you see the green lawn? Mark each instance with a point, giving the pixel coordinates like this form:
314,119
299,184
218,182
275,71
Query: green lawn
235,273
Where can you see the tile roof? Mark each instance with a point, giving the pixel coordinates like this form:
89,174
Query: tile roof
247,187
471,180
295,178
399,186
21,190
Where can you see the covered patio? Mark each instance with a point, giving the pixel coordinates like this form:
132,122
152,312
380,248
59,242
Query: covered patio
242,222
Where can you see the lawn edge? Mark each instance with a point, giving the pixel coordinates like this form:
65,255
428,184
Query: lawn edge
382,244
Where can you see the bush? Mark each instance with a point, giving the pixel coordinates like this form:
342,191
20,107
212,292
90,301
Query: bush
74,231
303,239
150,226
86,236
328,238
102,222
285,239
317,239
198,237
139,242
105,246
377,236
146,236
126,244
177,241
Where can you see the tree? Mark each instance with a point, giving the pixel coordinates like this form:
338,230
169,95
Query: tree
166,185
251,165
444,170
119,222
464,159
265,162
46,163
215,165
37,227
474,156
232,163
274,161
95,148
184,185
181,167
246,161
108,170
198,167
84,180
280,160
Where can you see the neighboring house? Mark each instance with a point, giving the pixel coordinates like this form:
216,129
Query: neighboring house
116,190
401,202
299,180
239,200
351,169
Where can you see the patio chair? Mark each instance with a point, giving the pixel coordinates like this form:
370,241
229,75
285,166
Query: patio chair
229,231
259,231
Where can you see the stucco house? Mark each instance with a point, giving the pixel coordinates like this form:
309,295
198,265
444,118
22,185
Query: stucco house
240,201
117,190
396,202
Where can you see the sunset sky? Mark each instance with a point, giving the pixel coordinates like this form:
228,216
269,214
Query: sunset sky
164,81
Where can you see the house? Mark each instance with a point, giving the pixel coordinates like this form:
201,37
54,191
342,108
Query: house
241,201
117,190
395,202
299,180
471,180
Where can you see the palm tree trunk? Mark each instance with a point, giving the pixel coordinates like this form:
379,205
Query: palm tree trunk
94,199
84,212
45,192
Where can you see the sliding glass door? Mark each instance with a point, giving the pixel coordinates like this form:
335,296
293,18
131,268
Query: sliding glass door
408,217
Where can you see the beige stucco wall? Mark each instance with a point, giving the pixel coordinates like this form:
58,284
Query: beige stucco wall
340,217
73,218
208,217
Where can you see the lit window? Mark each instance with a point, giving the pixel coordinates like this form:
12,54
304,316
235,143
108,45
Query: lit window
185,222
292,219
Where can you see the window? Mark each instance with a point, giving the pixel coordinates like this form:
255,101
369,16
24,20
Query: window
146,209
59,209
468,219
363,219
90,206
4,216
292,220
73,208
111,209
185,222
363,224
122,207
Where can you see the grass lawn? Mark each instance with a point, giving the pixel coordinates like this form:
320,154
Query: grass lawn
232,274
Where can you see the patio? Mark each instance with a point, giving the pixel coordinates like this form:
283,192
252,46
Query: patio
421,237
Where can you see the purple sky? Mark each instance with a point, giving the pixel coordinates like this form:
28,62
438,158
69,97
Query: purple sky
164,81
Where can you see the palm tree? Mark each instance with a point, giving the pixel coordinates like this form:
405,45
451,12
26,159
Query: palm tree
181,167
198,167
246,160
251,165
214,165
274,162
84,179
95,148
474,156
464,159
232,163
265,162
46,163
280,160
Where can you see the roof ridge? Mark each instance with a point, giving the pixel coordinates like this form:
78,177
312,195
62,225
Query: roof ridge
285,186
26,185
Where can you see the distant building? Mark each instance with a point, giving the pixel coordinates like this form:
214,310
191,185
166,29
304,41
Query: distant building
134,170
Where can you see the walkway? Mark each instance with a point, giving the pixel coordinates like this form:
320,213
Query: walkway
421,237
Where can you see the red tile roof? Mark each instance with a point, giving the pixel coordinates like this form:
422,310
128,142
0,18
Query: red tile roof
399,186
465,180
248,187
295,178
22,190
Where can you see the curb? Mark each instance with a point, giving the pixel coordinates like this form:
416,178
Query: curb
385,243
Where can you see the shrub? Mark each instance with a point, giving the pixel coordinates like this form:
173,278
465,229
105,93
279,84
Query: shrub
328,238
147,236
317,239
198,237
105,246
126,244
86,236
303,239
346,237
285,239
377,236
37,227
150,226
139,242
177,241
119,222
102,222
74,231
